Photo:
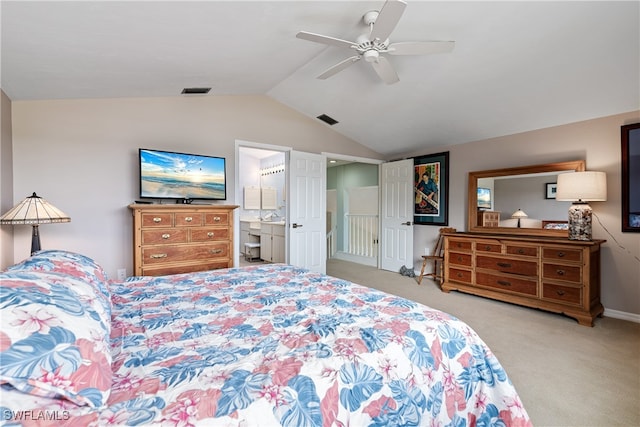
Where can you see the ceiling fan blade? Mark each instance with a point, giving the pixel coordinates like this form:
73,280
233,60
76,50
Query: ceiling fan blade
387,19
385,71
338,67
318,38
420,48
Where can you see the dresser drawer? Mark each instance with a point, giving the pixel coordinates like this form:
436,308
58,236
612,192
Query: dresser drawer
161,270
506,265
166,236
188,219
462,245
521,286
460,276
216,218
209,234
562,254
491,247
565,294
167,254
570,273
460,259
529,251
154,219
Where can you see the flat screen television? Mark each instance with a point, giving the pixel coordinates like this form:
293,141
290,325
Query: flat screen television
181,176
484,198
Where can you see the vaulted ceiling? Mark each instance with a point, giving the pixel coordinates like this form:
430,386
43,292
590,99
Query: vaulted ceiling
516,65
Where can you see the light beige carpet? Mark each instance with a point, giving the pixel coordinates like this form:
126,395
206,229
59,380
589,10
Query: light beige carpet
566,374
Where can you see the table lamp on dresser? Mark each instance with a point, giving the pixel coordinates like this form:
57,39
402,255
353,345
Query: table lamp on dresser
581,188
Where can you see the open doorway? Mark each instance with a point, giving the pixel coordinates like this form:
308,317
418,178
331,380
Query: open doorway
261,195
352,211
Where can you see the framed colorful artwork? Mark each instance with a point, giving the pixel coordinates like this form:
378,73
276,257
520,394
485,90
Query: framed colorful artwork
431,189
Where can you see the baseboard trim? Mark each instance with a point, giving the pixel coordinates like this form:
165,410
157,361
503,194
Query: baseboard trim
622,315
372,262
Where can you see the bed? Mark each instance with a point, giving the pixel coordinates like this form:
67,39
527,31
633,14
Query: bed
264,345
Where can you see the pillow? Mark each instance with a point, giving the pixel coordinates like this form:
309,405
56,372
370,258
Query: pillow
54,337
72,264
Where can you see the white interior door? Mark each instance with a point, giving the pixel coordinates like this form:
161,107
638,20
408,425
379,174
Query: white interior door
396,217
307,212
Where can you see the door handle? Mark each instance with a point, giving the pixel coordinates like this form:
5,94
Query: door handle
294,225
406,223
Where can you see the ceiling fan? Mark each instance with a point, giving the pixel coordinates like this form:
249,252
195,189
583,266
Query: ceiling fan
372,46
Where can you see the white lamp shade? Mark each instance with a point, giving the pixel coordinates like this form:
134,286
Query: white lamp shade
519,214
587,186
34,210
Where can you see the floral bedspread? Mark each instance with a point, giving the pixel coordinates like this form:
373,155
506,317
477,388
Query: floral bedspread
271,345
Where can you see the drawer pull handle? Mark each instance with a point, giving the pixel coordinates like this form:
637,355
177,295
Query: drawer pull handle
487,248
560,272
166,236
188,219
210,234
460,275
216,251
504,283
459,258
158,256
157,219
504,265
560,292
560,254
520,251
217,218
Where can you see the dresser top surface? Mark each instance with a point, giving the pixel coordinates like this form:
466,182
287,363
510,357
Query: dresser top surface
178,206
525,238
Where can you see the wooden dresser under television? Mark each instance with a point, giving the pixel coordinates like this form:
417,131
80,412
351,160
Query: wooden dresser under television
171,239
548,273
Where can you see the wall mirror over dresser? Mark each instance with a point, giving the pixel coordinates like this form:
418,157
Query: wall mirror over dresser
517,248
519,200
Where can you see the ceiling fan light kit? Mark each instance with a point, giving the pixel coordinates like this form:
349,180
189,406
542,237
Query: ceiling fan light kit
374,45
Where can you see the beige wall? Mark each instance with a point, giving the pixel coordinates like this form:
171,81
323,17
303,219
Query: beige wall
6,179
596,141
81,156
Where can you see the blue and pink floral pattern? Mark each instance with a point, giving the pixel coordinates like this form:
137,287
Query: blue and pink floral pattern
274,345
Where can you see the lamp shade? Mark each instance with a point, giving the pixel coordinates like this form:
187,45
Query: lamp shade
587,186
32,211
519,214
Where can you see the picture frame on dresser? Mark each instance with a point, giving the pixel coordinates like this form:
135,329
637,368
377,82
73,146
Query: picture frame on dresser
630,168
431,189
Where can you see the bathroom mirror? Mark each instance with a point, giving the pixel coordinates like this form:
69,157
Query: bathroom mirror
519,200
